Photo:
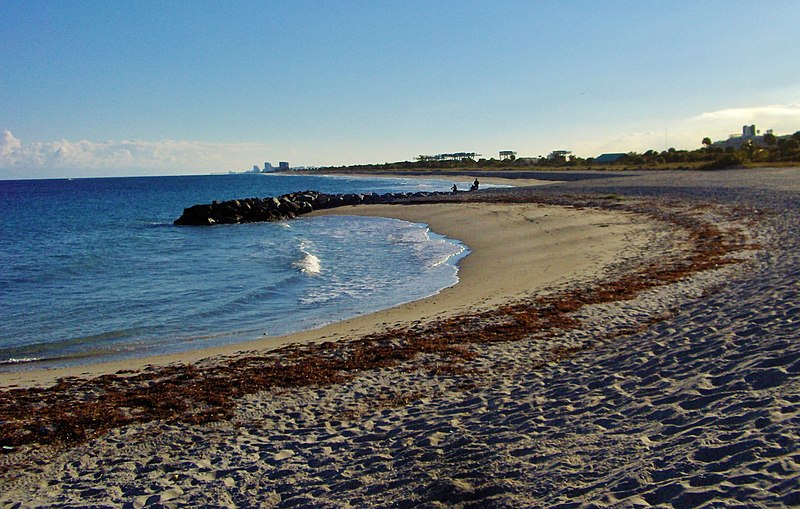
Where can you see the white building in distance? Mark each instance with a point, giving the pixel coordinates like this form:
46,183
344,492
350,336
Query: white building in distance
749,134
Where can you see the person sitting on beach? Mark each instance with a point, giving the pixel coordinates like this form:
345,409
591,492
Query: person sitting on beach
454,188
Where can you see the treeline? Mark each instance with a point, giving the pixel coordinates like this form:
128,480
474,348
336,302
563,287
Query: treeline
769,149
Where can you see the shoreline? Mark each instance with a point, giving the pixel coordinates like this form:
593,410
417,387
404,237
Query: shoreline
493,273
509,180
655,385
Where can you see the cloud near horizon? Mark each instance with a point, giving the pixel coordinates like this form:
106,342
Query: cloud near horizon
782,118
761,113
688,133
109,157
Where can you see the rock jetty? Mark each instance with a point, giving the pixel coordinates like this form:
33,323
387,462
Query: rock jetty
287,206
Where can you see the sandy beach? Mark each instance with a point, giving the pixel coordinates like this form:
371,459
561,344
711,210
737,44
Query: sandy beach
676,388
507,241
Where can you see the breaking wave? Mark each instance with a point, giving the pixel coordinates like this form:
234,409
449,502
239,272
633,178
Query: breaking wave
309,264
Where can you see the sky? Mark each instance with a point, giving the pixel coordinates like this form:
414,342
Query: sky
124,87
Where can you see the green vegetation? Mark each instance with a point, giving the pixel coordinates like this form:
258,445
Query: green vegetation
773,150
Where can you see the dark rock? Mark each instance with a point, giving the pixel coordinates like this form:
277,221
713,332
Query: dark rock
288,206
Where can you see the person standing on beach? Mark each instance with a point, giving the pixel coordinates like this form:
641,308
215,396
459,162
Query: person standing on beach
475,185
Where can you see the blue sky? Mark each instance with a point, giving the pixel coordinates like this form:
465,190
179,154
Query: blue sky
136,87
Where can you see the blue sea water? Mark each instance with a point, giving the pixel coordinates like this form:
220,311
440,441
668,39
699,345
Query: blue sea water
94,269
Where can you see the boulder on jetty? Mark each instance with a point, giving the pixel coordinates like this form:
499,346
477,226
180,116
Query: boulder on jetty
287,206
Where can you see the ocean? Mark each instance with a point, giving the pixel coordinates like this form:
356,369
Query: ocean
93,269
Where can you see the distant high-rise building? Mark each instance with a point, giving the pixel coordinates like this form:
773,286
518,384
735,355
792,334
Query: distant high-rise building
283,166
256,169
749,135
268,167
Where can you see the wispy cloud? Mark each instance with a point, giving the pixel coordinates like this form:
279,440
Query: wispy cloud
782,118
115,157
754,113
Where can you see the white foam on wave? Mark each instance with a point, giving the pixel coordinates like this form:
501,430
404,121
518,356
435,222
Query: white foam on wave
309,263
23,360
457,251
331,292
431,249
441,249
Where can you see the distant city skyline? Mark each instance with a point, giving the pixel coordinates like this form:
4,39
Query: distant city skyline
157,88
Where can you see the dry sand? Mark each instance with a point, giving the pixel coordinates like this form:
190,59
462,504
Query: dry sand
686,396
